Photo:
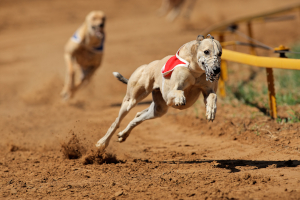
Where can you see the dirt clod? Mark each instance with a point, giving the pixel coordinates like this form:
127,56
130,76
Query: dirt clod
99,156
72,149
13,148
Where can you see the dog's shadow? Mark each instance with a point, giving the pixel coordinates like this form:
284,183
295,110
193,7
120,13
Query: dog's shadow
232,164
141,103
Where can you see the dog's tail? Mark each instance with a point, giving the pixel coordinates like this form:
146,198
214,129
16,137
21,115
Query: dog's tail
120,77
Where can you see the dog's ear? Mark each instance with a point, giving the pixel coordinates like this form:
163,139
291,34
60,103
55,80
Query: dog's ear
200,38
194,48
210,36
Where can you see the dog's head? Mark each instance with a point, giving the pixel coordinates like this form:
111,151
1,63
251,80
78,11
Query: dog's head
95,21
209,54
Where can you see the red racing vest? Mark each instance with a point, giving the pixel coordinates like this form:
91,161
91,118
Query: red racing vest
172,63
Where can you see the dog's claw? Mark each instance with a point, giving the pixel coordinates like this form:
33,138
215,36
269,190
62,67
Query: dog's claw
180,101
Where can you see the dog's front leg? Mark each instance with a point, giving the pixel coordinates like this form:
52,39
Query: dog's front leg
86,74
69,79
180,80
210,100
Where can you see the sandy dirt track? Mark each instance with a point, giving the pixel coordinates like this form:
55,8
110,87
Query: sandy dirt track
243,154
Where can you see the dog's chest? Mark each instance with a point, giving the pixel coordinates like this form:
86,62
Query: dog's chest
87,58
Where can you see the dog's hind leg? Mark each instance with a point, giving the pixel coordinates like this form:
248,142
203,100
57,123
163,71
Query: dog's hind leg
157,109
164,8
138,88
127,105
177,6
67,92
86,75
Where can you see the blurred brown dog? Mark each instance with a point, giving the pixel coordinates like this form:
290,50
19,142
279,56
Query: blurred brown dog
174,8
175,81
84,48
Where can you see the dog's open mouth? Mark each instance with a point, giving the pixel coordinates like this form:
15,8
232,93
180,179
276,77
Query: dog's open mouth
98,31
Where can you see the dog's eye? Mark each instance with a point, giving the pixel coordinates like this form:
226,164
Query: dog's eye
206,52
220,54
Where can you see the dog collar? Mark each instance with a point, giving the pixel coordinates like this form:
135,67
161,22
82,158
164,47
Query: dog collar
101,47
77,39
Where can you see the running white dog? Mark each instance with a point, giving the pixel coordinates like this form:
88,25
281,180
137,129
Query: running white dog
175,81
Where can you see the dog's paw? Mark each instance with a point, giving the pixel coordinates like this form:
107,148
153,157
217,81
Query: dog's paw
122,137
101,144
211,109
180,100
211,112
176,97
66,95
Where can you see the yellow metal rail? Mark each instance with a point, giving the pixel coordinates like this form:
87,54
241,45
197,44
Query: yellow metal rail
259,61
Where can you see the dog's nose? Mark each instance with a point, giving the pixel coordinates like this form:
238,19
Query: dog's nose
217,70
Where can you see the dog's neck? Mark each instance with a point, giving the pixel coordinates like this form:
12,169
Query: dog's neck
93,40
189,53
